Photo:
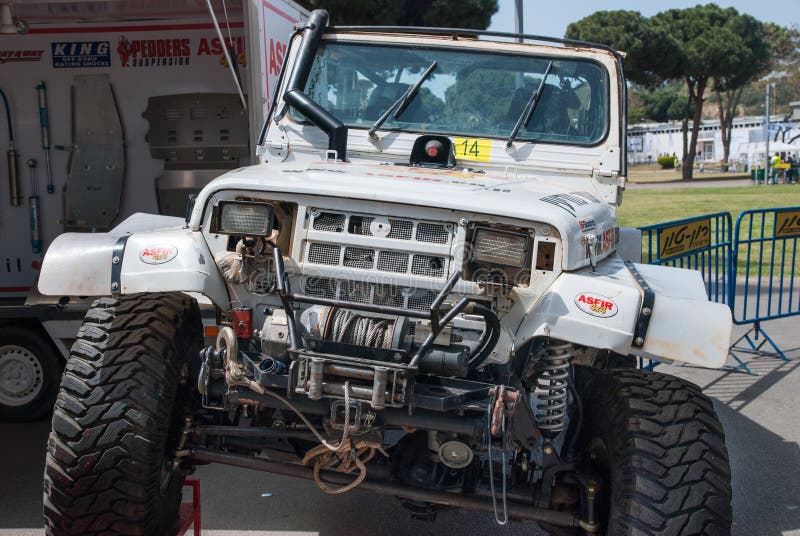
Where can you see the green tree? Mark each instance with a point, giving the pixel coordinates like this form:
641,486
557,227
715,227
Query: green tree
708,48
753,60
650,49
664,104
474,14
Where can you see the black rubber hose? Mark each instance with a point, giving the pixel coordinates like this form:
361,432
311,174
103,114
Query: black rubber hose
8,118
489,338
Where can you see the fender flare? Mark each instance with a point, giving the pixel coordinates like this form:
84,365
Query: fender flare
103,264
684,326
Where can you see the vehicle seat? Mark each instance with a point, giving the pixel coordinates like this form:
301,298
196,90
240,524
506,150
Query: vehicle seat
383,96
550,116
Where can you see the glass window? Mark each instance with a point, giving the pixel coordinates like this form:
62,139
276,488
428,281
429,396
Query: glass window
468,93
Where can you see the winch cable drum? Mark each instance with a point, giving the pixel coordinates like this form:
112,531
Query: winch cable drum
348,327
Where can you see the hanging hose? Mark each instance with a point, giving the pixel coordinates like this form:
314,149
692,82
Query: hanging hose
8,119
351,328
489,337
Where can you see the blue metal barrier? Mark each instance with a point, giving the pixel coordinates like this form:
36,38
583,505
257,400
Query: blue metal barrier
768,287
700,243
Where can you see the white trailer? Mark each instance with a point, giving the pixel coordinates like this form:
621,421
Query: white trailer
141,91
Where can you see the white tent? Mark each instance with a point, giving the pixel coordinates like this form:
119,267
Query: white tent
754,149
754,152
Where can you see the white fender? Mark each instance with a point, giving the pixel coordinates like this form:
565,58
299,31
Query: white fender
600,309
80,264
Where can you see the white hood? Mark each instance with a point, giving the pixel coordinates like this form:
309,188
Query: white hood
569,204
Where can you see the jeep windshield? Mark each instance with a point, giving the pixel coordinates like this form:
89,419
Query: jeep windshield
470,93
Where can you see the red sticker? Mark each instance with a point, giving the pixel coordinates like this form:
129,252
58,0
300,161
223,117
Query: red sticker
158,254
595,304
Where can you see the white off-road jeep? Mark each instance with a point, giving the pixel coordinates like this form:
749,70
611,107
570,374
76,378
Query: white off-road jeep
419,293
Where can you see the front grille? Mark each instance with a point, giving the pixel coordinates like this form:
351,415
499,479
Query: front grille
321,287
359,225
401,229
329,221
393,249
324,254
428,266
364,292
393,261
359,258
421,300
435,233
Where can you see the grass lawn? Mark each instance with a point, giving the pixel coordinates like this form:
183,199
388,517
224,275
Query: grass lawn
644,207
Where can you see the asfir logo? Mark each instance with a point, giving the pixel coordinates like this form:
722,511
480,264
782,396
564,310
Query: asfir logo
158,254
595,304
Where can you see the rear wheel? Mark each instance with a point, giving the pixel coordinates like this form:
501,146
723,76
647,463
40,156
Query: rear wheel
118,418
660,449
30,370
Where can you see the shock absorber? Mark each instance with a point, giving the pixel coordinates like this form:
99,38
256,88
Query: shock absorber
552,385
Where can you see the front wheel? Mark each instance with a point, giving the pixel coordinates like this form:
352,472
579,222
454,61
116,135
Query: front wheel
118,418
659,448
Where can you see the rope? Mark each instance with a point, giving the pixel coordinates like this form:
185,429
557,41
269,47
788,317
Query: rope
325,455
358,453
352,328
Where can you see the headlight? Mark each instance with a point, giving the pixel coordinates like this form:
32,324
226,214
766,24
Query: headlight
245,218
503,248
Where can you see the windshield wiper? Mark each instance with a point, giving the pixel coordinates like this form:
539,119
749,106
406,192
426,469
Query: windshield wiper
527,112
401,103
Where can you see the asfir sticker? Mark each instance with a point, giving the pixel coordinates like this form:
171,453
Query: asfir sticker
595,304
158,254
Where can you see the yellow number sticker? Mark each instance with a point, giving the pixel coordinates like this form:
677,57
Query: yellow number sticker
473,149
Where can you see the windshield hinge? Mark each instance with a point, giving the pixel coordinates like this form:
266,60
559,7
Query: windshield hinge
604,173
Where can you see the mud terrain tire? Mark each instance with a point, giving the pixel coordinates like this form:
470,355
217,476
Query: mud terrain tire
118,417
662,449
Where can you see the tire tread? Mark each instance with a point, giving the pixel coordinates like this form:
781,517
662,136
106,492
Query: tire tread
112,416
672,472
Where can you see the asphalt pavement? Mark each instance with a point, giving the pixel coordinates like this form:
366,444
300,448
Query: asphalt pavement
760,415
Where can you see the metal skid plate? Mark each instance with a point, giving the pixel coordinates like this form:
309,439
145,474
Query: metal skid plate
199,136
197,130
97,164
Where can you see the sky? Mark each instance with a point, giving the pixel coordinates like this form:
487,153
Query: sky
550,18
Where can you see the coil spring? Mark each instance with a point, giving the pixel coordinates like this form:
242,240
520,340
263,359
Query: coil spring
552,385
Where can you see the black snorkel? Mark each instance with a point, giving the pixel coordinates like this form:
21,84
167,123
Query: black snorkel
297,99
